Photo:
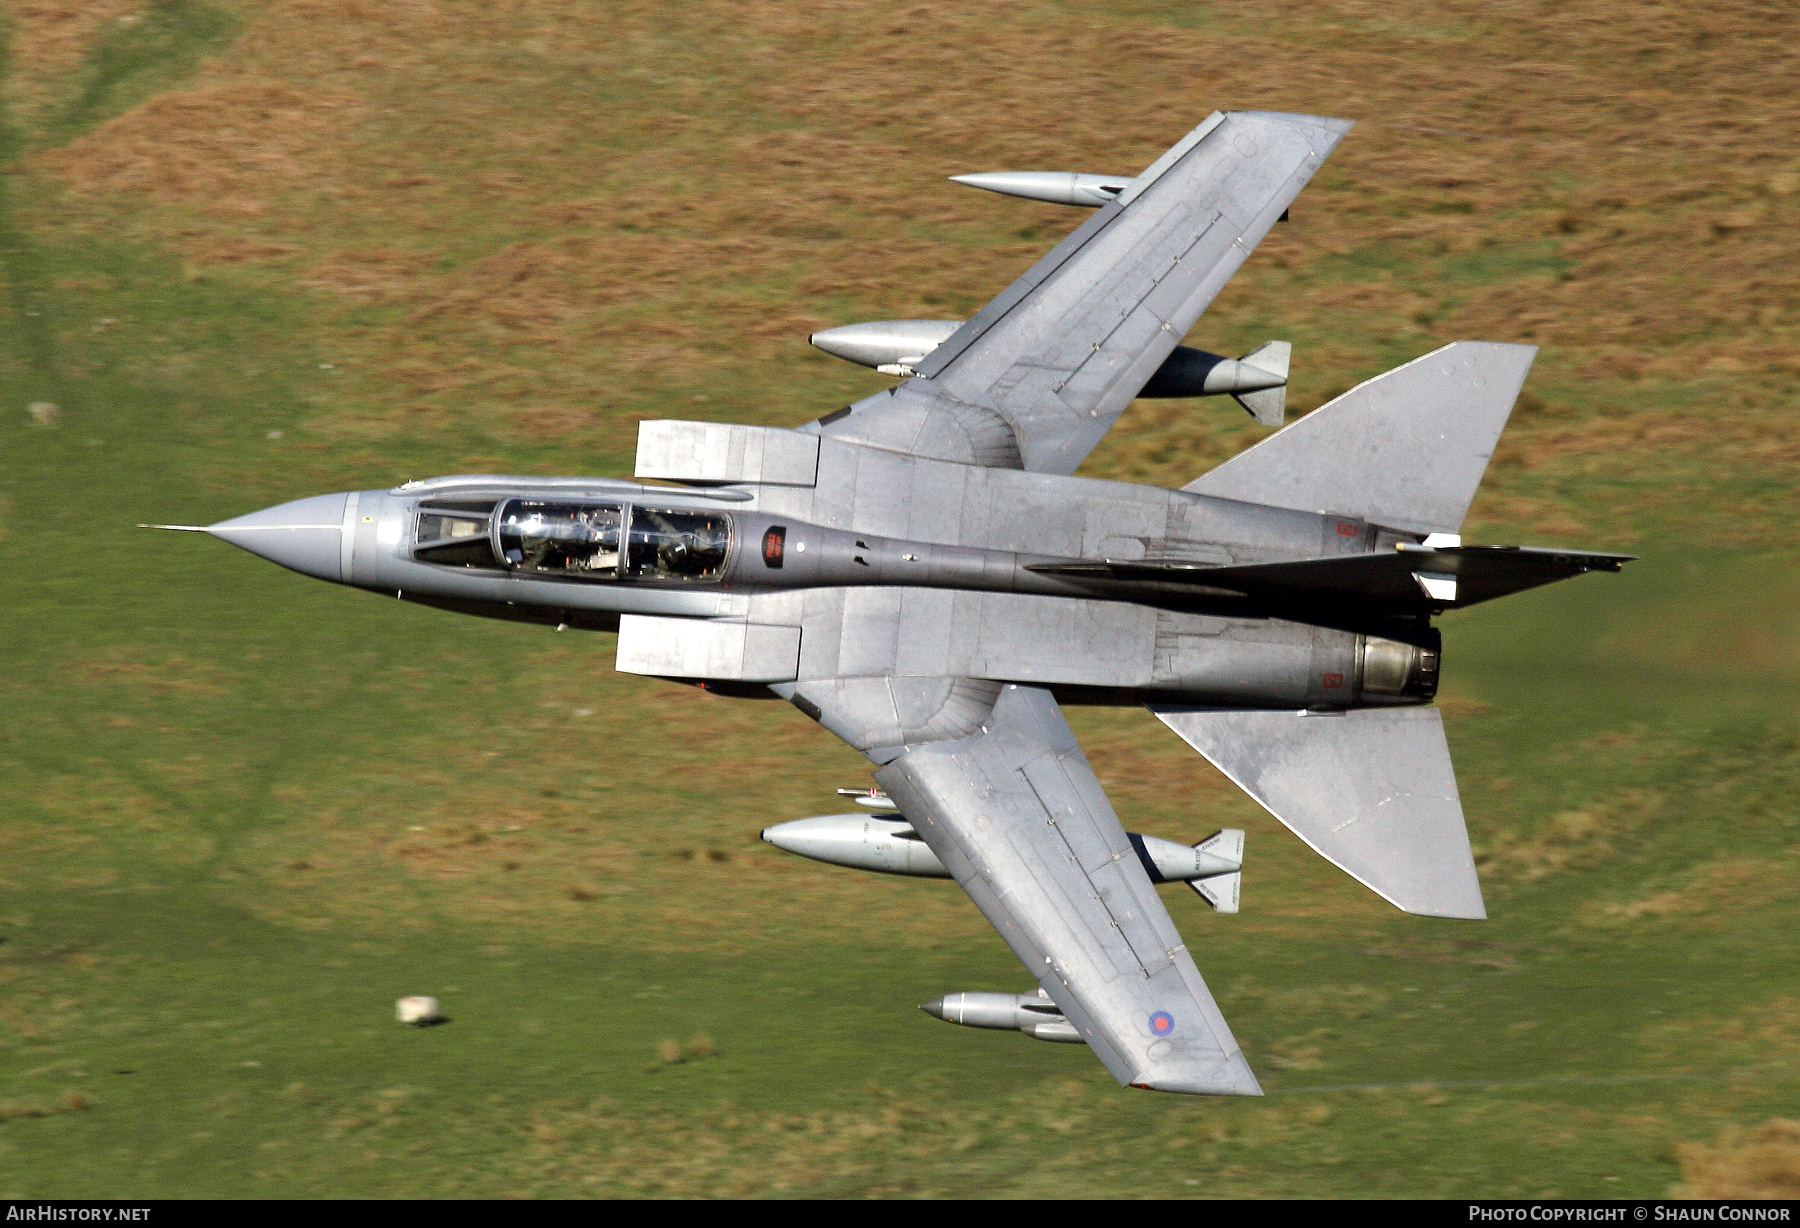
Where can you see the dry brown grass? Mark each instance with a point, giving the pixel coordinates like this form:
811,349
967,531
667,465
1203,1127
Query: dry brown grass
1712,892
1572,839
224,149
51,36
72,1102
549,256
1758,1163
889,1146
145,671
1765,1037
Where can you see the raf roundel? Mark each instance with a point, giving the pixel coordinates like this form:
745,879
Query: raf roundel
1162,1023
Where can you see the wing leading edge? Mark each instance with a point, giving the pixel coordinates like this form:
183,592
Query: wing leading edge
1018,817
1037,377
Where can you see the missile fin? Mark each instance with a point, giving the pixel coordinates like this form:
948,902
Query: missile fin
1221,890
1226,844
1267,405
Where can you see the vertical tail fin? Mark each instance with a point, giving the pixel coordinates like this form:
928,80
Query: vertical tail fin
1405,449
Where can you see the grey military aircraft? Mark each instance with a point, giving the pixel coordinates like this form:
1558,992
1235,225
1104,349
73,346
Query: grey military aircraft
922,574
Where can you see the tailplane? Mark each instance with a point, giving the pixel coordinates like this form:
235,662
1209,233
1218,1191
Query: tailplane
1405,449
1371,790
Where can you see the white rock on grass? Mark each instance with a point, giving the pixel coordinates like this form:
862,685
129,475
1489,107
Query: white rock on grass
418,1011
44,413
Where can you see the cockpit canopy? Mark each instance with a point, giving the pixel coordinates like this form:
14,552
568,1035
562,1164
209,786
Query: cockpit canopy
564,539
665,544
454,532
576,539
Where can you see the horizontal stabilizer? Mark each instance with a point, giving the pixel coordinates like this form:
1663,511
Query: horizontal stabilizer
1371,791
1410,580
1405,449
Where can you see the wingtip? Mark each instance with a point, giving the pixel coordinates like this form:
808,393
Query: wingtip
1238,1081
1454,910
1330,123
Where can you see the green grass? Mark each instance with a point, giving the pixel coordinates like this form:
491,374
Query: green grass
156,47
241,812
181,719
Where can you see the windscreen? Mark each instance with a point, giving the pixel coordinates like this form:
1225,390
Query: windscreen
454,533
671,545
569,539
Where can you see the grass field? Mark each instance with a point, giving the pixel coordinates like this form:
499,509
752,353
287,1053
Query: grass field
257,250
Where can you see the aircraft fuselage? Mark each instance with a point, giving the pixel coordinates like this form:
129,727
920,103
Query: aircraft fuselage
934,587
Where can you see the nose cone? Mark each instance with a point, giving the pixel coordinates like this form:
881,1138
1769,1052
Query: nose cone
935,1008
306,535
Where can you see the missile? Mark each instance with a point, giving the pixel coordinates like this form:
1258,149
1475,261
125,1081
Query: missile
889,845
1257,381
1057,187
1034,1014
1216,876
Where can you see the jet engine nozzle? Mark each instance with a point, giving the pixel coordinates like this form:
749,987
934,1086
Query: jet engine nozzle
1034,1014
1397,672
1057,187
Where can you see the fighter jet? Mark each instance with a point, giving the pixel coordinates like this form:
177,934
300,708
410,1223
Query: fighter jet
921,573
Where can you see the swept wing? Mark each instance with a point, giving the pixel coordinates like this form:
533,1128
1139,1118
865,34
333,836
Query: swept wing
1037,377
1019,819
